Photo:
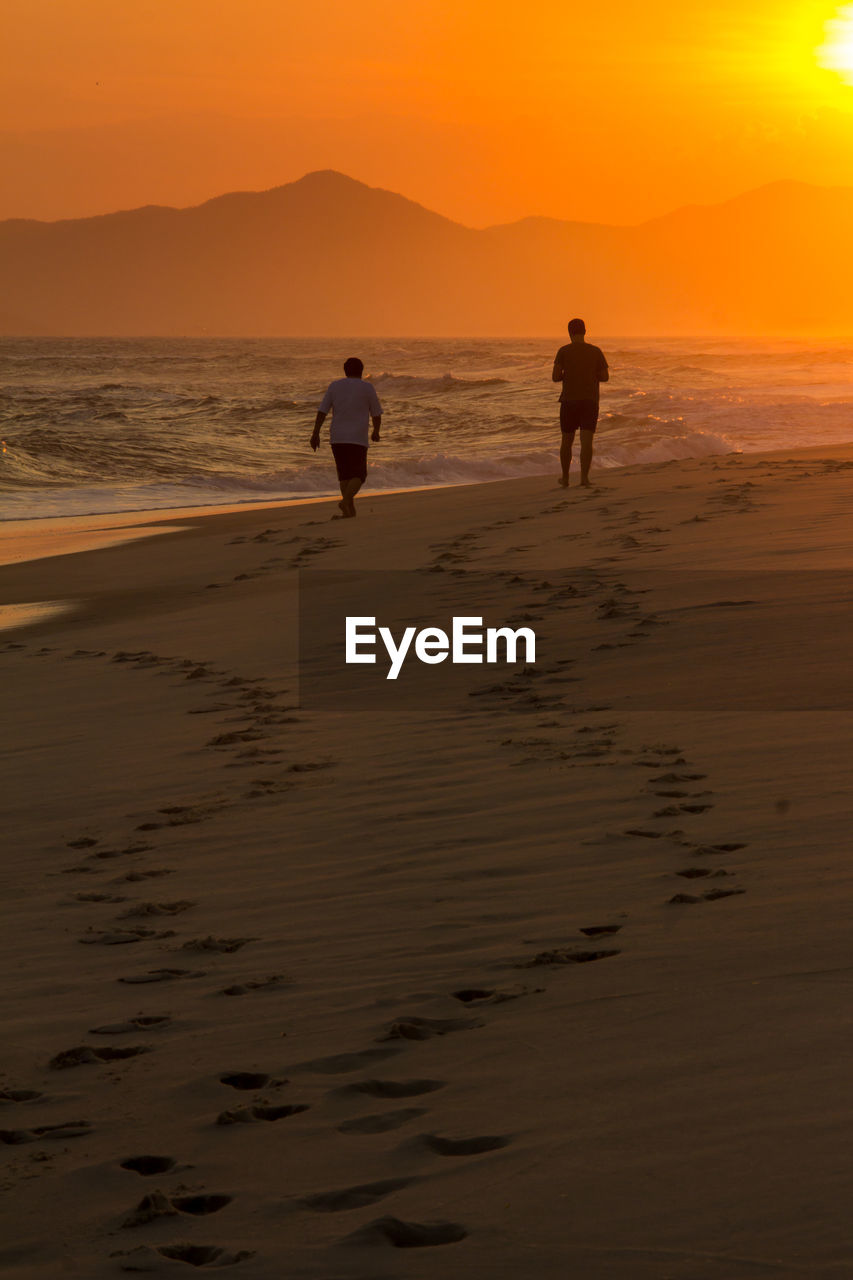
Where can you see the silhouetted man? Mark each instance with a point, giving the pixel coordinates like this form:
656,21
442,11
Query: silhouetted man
580,367
353,404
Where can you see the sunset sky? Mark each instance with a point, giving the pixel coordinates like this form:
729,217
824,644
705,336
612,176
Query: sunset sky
611,112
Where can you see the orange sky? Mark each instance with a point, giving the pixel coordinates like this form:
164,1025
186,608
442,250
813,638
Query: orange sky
611,111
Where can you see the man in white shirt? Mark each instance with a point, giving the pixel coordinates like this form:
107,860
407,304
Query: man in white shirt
354,403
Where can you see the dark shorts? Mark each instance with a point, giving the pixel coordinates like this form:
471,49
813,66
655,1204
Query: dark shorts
351,461
578,415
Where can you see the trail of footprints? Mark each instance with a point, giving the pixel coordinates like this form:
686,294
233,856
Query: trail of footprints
260,714
303,550
387,1231
259,1109
257,710
595,743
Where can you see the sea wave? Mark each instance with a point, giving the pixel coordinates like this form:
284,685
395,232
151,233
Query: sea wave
114,425
442,382
416,472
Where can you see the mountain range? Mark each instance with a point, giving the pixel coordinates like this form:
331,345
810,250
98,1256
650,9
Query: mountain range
328,255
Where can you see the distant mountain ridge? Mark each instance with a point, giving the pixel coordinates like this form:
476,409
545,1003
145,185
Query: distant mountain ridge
328,255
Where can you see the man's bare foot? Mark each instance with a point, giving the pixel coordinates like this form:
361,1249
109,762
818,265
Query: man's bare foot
586,484
563,482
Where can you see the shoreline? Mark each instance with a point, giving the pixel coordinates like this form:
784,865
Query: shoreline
91,531
32,537
548,964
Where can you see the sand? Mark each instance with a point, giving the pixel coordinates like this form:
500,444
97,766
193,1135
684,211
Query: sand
522,973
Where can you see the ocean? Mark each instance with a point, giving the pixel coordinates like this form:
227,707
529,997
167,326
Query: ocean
94,426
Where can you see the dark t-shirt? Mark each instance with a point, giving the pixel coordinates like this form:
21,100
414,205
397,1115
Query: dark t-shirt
581,367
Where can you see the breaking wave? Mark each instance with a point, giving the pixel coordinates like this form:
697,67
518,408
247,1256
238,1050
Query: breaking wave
98,426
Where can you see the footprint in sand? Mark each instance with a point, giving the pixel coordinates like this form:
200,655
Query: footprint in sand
46,1132
162,975
711,850
463,1146
258,984
232,739
133,877
565,955
343,1062
196,1255
250,1080
415,1028
353,1197
688,899
656,764
226,945
20,1095
199,1206
382,1122
141,1022
86,1053
157,1205
121,937
157,909
99,897
407,1235
178,817
391,1088
253,1115
148,1166
121,853
491,995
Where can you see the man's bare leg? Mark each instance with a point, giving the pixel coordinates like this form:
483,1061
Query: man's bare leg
586,457
566,457
349,488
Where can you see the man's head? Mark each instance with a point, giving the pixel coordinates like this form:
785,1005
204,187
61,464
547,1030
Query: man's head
577,329
353,367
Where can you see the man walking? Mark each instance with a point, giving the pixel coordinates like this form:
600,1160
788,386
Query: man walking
580,367
354,403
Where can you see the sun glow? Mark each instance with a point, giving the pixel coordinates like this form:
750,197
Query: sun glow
836,53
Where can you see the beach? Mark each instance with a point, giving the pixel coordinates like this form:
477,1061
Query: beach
539,972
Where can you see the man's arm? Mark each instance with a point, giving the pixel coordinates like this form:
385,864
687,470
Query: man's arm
557,371
375,411
603,370
315,434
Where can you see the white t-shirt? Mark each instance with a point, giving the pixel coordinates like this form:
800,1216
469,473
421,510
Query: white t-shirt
353,403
